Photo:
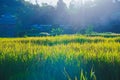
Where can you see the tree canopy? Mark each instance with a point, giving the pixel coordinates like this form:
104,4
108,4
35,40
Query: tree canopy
102,15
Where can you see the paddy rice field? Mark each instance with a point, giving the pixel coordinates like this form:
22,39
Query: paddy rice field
65,57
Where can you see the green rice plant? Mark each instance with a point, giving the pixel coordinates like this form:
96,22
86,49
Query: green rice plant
83,75
47,58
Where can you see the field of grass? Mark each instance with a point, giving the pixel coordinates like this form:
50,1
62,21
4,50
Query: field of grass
67,57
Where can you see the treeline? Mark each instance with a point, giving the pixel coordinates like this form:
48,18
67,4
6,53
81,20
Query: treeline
103,16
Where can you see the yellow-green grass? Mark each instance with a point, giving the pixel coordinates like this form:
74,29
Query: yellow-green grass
49,58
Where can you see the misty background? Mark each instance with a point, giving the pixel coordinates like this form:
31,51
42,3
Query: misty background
22,17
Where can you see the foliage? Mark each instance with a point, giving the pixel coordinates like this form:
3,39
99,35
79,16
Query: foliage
83,75
56,31
26,15
89,30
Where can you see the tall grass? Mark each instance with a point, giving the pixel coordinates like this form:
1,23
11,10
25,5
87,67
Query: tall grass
47,58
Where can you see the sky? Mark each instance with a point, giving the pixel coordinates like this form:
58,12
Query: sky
54,2
50,2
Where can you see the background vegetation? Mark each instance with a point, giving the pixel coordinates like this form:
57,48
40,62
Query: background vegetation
17,17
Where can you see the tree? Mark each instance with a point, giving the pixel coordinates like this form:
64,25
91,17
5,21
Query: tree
56,31
61,13
61,6
89,30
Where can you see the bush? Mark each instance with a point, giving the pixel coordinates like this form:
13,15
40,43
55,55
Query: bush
56,31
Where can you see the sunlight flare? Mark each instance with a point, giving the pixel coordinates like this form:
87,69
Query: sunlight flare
54,2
